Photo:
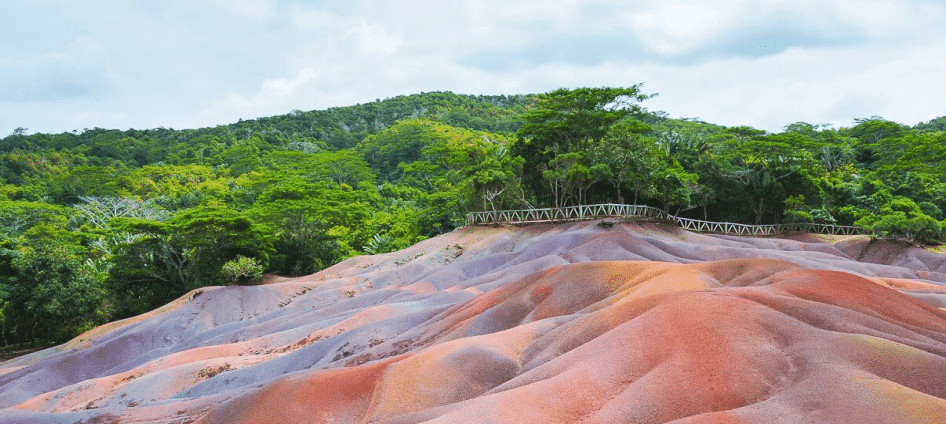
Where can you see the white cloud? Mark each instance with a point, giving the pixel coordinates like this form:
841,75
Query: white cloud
890,21
282,88
307,18
257,9
372,40
208,62
832,86
274,96
81,70
673,29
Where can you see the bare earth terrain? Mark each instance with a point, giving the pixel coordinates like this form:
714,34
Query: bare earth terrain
638,323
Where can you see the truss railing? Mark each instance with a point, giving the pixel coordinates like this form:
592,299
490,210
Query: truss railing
610,210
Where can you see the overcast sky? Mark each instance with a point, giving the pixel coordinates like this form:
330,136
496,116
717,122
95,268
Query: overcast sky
67,65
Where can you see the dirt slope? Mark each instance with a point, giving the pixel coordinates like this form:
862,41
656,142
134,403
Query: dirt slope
566,323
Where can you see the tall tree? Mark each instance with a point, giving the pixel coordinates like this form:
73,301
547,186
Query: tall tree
761,164
570,121
633,158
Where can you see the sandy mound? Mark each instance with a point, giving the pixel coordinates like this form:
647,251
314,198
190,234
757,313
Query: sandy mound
567,323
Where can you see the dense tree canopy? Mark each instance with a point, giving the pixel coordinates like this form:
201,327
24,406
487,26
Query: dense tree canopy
102,224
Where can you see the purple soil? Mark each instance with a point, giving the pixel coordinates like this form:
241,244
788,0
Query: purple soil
567,323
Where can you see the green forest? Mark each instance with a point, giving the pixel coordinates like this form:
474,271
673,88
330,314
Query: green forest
98,225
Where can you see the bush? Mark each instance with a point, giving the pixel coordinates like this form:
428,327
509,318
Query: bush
920,229
852,215
54,295
796,210
823,216
241,270
380,243
931,209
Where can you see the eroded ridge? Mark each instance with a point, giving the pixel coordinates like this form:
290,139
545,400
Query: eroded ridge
569,323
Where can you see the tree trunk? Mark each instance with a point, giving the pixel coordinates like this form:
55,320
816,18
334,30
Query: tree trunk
759,211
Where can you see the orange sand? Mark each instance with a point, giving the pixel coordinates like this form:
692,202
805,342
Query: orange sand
568,323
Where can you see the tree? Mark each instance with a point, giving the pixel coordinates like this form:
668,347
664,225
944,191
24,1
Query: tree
569,176
497,177
874,129
17,216
760,164
242,156
202,150
687,139
48,288
100,210
343,167
571,120
475,167
796,211
241,270
170,182
675,187
933,125
914,152
300,215
633,158
401,143
869,132
567,120
825,144
182,253
901,217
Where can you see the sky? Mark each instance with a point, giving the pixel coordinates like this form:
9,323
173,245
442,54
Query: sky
68,65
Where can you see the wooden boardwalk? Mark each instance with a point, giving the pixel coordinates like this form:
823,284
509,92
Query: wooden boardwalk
610,210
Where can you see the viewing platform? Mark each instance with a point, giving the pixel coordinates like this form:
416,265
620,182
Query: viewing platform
637,212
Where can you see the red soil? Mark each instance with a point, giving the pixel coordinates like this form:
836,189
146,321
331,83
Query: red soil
573,323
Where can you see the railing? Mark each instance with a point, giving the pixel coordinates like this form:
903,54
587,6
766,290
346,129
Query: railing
580,213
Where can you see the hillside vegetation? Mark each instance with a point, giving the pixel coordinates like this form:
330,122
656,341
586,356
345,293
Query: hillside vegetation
104,224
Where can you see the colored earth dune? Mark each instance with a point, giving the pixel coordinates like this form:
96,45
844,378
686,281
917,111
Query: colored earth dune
635,323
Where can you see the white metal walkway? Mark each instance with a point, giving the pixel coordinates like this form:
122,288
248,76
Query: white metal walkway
610,210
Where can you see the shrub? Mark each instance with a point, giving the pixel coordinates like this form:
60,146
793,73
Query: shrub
242,270
921,228
901,217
